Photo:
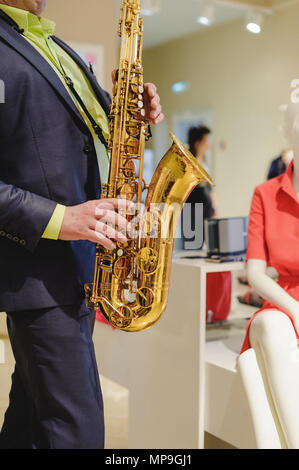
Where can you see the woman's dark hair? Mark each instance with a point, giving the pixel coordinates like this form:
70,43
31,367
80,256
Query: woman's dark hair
197,134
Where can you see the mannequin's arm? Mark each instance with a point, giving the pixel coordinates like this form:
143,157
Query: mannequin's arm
269,289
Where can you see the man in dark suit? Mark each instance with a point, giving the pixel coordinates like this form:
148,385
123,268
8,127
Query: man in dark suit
53,133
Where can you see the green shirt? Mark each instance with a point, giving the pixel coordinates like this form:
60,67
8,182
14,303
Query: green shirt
38,32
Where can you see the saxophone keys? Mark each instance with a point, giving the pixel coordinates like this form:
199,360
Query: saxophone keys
141,89
122,267
133,128
145,297
132,146
147,260
140,104
127,191
106,263
130,170
121,317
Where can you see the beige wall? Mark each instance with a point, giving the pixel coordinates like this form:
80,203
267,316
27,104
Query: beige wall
244,78
93,21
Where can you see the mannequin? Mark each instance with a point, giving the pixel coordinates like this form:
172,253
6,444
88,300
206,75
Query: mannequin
273,361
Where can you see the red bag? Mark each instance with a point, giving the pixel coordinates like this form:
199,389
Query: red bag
100,317
219,296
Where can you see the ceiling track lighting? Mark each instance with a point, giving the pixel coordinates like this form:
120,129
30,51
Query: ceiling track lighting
243,5
150,7
254,21
254,15
207,16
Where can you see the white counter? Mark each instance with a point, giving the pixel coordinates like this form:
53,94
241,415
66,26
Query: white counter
165,369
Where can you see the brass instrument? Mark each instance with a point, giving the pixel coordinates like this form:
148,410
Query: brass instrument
131,283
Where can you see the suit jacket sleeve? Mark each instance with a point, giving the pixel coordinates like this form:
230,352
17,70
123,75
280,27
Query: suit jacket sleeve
23,215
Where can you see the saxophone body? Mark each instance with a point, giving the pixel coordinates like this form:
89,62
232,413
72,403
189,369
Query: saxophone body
131,283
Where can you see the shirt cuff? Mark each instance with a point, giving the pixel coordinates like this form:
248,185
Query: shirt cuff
53,228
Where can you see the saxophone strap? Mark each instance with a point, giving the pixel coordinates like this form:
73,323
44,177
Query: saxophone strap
69,82
97,129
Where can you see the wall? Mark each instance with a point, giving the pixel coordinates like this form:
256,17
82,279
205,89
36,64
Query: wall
93,21
244,78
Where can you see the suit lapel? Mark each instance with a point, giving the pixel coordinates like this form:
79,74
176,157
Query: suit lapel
100,94
24,48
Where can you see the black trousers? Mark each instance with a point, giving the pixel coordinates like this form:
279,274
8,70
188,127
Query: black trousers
56,399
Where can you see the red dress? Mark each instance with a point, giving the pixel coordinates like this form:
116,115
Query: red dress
273,236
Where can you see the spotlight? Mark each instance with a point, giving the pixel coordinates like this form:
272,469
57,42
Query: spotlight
254,22
150,7
207,15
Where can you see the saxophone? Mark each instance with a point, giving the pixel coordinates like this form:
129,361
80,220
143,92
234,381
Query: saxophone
131,282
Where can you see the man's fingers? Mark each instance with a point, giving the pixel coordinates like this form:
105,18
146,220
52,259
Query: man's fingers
159,119
150,89
113,217
110,232
155,112
152,104
105,242
155,101
100,239
111,204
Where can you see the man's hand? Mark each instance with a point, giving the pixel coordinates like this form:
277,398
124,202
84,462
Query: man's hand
89,221
153,108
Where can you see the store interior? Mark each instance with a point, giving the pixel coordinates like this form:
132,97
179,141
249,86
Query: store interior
230,65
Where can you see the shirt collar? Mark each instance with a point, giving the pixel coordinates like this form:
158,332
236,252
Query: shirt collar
29,22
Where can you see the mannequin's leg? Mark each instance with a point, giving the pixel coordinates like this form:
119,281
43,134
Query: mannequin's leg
267,429
274,341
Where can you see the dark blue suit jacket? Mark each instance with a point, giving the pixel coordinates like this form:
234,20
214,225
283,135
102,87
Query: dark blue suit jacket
47,156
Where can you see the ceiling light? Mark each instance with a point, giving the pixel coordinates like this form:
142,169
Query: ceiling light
254,22
207,15
150,7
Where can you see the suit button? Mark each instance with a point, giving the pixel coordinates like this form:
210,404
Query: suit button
87,148
9,236
22,242
16,239
2,233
